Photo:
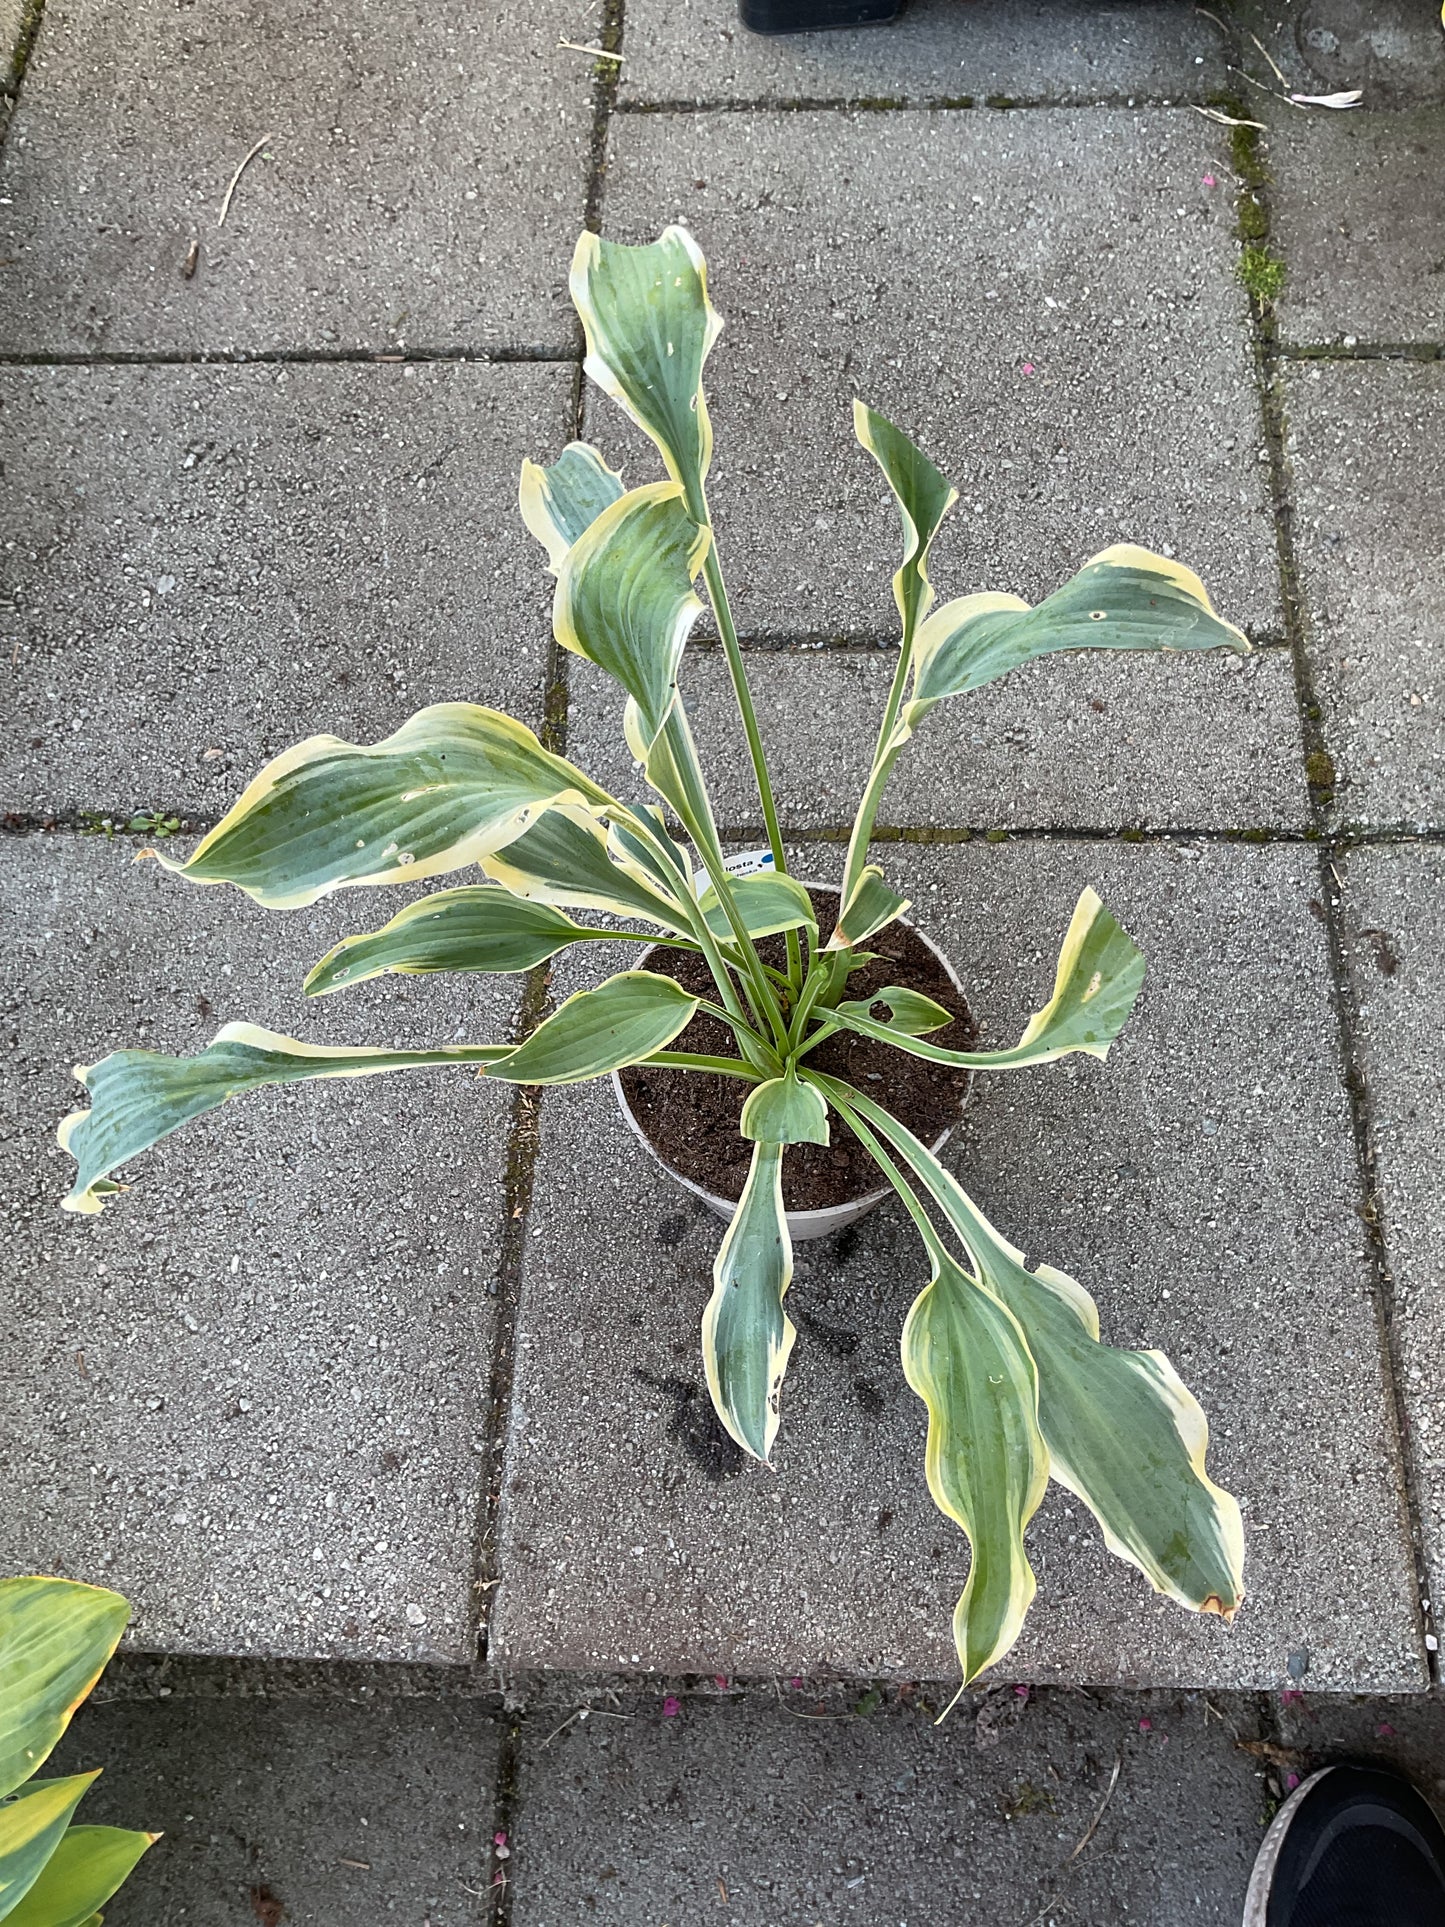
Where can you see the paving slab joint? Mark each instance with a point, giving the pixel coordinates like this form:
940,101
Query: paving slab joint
899,104
512,355
523,1143
504,1809
1351,350
31,12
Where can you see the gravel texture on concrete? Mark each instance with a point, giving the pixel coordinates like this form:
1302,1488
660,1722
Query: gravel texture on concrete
756,1814
423,181
206,564
1202,1185
699,51
1393,899
1392,50
1403,1735
295,1811
249,1395
1046,301
1356,217
1364,444
1079,742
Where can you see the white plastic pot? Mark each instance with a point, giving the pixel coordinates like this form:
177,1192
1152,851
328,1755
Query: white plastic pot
802,1225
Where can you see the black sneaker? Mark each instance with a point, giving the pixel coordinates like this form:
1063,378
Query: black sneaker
1352,1847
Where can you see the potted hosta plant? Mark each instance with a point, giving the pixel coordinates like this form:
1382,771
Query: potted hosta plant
821,1019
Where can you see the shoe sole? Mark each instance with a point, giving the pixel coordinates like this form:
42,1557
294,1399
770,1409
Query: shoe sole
1256,1901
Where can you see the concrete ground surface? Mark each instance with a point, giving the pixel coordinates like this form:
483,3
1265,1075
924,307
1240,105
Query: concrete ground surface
386,1412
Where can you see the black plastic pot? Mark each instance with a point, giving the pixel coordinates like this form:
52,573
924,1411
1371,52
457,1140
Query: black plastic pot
815,16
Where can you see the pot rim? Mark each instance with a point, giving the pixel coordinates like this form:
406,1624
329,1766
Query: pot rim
819,1219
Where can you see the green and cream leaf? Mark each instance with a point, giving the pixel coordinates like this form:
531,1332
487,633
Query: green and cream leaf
649,327
746,1335
1099,976
924,497
871,906
785,1111
1123,1432
478,927
559,504
987,1465
139,1097
451,786
571,856
1124,599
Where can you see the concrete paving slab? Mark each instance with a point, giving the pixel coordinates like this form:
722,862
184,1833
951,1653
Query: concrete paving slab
1405,1735
699,51
1046,300
423,181
1395,899
295,1810
1364,442
758,1814
1203,1186
1390,49
1087,743
1355,202
206,564
250,1394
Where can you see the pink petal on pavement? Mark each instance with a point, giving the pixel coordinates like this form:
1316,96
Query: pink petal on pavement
671,1707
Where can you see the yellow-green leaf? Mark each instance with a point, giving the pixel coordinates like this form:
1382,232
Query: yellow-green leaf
562,502
55,1638
87,1867
31,1825
783,1111
966,1358
452,785
1124,598
479,927
649,327
746,1335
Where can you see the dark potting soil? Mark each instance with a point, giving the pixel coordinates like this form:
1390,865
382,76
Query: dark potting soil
692,1117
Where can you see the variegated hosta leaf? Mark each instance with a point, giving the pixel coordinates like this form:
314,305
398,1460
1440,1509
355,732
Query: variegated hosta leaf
625,598
1123,1432
965,1356
596,1031
138,1097
562,502
924,497
86,1868
870,907
55,1638
1124,598
746,1334
768,902
911,1013
649,327
478,927
1100,974
453,784
660,859
783,1111
569,857
31,1825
